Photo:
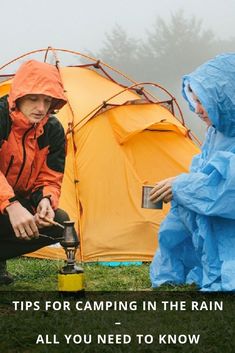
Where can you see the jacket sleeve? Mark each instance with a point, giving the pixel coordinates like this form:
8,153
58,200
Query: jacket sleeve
7,195
211,191
49,180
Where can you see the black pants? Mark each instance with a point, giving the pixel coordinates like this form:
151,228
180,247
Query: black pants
11,246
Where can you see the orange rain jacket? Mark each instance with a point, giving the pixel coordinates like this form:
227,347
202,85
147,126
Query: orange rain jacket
32,156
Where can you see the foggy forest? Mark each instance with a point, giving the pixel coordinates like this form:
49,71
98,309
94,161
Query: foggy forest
169,50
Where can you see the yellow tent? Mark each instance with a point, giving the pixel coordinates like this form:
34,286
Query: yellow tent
118,139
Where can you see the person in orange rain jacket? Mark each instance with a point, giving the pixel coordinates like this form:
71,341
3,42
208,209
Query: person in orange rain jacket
32,158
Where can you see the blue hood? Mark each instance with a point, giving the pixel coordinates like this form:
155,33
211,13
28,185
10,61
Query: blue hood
214,85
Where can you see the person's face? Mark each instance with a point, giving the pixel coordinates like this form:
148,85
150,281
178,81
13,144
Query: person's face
200,110
34,106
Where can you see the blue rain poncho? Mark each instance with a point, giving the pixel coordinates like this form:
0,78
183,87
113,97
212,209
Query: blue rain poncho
197,238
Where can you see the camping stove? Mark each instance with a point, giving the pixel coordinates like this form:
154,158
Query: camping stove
71,276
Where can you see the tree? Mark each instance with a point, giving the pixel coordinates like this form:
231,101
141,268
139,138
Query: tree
170,50
177,47
120,51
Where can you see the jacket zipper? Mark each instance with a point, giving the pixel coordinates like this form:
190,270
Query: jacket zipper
10,165
24,155
31,170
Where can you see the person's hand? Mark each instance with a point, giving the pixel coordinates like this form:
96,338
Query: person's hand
22,221
162,191
44,209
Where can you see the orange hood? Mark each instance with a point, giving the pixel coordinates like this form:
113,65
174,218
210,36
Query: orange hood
34,77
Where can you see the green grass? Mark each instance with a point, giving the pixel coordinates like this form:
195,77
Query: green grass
37,280
41,275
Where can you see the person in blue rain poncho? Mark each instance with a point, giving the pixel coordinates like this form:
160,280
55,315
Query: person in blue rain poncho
197,238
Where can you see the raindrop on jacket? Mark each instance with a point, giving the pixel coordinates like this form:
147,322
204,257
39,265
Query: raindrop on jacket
197,238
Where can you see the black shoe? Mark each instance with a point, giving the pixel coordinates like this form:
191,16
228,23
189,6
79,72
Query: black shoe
5,277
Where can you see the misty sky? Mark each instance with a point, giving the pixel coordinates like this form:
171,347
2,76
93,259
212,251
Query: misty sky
81,25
